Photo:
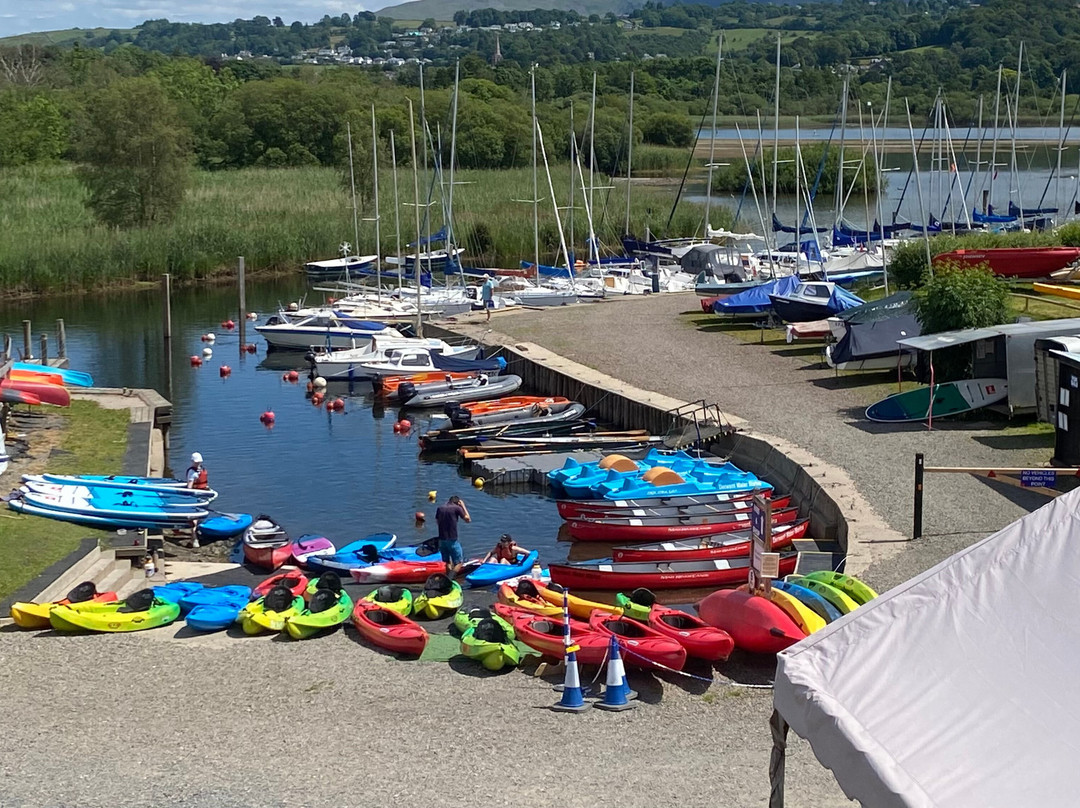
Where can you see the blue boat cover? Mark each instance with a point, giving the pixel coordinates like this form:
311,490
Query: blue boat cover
363,325
455,365
756,300
841,299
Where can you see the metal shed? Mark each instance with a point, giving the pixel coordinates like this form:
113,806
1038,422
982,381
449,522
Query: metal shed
1047,364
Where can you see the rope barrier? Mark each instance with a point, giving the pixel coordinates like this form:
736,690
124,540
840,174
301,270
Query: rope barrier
624,650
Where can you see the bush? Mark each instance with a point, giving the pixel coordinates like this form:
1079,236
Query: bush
1070,234
667,129
961,297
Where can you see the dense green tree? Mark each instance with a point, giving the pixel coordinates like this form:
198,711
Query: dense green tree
667,129
135,152
32,128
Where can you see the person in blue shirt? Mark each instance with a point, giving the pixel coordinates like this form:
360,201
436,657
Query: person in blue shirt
487,296
446,516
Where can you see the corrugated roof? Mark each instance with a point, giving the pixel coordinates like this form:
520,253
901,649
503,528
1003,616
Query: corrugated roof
947,339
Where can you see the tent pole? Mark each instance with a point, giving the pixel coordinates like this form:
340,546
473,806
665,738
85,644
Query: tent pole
777,759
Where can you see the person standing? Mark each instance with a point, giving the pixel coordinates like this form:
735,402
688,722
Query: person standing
487,296
196,473
446,516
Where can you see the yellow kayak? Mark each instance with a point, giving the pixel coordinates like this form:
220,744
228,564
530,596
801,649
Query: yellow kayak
525,596
28,614
848,584
440,596
141,610
270,613
803,616
579,607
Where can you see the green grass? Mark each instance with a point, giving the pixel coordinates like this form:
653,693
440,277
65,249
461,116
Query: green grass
94,442
65,36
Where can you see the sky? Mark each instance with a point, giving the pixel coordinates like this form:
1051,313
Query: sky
25,16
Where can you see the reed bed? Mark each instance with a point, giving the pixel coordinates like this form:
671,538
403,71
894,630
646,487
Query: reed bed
280,218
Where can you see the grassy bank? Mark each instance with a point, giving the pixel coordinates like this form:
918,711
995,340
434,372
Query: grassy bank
280,218
93,441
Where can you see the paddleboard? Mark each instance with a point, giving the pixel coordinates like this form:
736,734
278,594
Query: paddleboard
951,398
4,459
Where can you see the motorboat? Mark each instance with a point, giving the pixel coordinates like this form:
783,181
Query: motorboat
813,300
531,294
337,267
392,356
330,328
436,394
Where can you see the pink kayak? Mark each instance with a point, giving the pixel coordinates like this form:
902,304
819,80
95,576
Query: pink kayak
309,546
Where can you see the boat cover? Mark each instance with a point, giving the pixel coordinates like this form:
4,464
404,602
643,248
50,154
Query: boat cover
362,325
874,338
841,299
952,689
757,299
894,305
455,365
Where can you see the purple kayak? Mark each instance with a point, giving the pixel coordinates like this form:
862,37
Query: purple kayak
309,546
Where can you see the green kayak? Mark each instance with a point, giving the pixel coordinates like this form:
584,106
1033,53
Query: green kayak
638,604
325,610
839,599
490,643
440,596
395,598
465,620
141,610
848,584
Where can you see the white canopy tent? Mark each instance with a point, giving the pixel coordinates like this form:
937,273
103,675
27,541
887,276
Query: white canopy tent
956,688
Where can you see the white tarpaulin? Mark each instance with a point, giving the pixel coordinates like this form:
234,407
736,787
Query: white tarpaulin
959,687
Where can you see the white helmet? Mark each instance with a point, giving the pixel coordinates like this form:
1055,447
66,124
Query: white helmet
196,457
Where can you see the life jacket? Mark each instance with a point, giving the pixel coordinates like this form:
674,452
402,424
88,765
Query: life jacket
201,479
505,553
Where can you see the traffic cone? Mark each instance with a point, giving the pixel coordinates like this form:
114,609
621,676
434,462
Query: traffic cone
573,700
617,694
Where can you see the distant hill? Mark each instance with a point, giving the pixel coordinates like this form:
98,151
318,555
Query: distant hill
67,36
444,9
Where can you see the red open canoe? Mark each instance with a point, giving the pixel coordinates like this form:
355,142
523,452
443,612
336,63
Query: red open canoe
639,644
48,393
756,624
574,508
1014,262
695,635
718,509
388,629
267,557
727,545
545,634
676,575
295,580
651,529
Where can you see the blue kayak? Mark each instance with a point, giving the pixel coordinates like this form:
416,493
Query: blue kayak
488,574
213,618
352,555
224,525
216,596
810,599
72,378
175,591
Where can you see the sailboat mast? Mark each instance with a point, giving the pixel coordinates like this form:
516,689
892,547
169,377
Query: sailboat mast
378,231
416,197
753,185
978,148
877,189
536,188
629,153
554,199
1061,143
355,213
993,148
838,210
397,211
573,151
450,240
712,134
798,205
918,186
592,154
1015,119
776,126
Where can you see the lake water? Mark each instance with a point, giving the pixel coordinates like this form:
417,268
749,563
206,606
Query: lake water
341,475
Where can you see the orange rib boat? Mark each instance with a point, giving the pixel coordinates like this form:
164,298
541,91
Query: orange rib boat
511,403
388,385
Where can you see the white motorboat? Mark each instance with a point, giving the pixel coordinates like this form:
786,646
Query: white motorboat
336,267
331,329
449,300
532,294
389,357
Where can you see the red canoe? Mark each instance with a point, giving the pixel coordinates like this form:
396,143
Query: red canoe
8,396
388,629
639,644
718,509
754,623
295,580
1014,262
651,529
675,575
574,508
545,634
267,557
398,572
48,393
695,635
728,545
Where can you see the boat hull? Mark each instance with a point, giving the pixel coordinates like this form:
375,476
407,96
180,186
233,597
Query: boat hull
1014,262
736,545
651,529
623,577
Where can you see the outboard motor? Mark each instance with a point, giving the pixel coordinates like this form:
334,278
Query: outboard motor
450,407
405,391
460,418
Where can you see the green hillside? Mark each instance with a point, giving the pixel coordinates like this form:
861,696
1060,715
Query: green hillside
67,36
442,10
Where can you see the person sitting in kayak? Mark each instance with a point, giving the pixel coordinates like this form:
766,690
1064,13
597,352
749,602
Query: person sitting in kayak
196,473
505,552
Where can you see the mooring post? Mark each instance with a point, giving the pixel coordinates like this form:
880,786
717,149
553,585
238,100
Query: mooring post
166,330
28,352
44,349
916,533
6,355
242,319
61,339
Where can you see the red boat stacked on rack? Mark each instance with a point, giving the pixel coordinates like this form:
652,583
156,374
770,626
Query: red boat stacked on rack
608,575
608,509
1014,262
729,545
648,528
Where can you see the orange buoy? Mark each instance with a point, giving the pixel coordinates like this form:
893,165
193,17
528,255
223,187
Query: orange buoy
293,376
196,361
338,404
404,425
250,347
420,518
267,417
228,325
225,371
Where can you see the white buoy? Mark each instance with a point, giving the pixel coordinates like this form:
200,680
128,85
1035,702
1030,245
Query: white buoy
207,352
210,337
319,382
252,315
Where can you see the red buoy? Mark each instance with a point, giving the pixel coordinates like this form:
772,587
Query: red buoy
229,325
250,347
224,371
397,427
196,361
292,376
316,399
310,387
420,518
339,404
267,417
404,425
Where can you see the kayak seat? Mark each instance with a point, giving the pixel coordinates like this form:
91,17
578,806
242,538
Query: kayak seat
547,627
623,628
82,592
643,597
289,582
438,584
382,617
369,553
330,581
480,614
278,599
322,600
138,601
678,621
488,630
389,593
429,547
554,587
526,589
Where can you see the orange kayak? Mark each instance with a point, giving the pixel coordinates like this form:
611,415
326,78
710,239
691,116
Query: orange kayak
47,393
511,403
388,385
34,376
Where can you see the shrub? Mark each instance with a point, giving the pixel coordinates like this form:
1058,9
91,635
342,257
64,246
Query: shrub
961,297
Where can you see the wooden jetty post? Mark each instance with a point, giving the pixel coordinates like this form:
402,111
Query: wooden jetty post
5,354
242,319
28,352
44,349
61,339
166,330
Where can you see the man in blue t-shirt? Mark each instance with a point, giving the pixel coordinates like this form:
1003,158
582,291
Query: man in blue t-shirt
446,516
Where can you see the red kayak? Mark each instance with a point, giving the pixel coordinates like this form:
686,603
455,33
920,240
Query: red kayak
756,624
388,629
267,557
729,545
1014,262
692,633
597,511
639,644
8,396
398,572
575,508
622,577
545,634
293,579
688,527
47,393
